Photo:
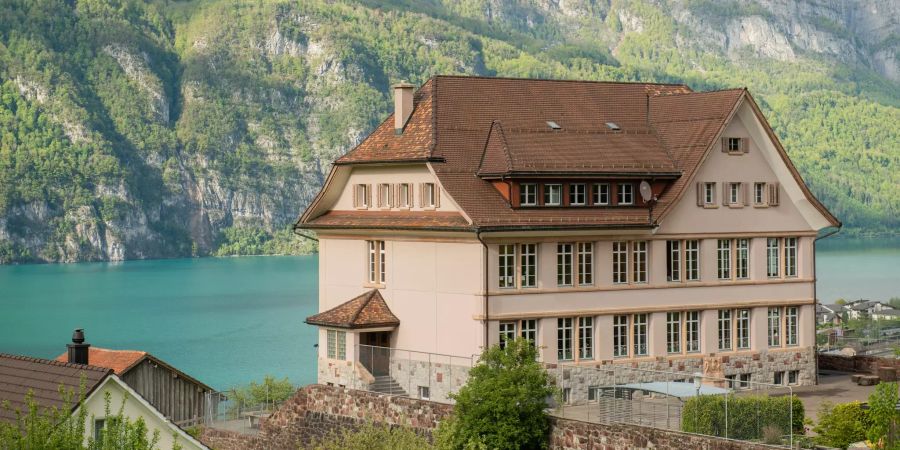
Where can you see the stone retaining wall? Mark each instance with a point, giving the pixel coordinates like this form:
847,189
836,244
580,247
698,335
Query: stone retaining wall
316,411
856,364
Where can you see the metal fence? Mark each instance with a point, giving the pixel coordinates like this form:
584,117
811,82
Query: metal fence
428,376
882,346
222,410
732,407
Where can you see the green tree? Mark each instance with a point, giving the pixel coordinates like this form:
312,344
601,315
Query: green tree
883,416
502,405
841,425
263,395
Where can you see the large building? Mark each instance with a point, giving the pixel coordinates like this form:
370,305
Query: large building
609,223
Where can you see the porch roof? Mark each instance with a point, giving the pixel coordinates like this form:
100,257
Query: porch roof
368,310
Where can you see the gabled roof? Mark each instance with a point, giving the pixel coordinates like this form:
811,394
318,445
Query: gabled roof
466,127
44,378
121,361
368,310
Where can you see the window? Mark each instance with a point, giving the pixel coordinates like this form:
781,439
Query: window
600,194
529,265
99,424
586,338
429,196
734,193
734,145
527,194
507,332
692,331
507,255
709,194
724,259
361,197
640,334
744,381
639,255
585,263
564,338
725,329
385,196
673,332
405,199
620,336
337,344
790,319
742,265
424,392
594,393
626,194
790,257
567,395
564,264
620,262
376,262
773,268
793,375
529,330
673,260
779,378
743,328
774,327
730,381
577,195
759,194
552,194
692,260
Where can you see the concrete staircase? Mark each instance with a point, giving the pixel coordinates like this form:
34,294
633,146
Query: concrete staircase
385,384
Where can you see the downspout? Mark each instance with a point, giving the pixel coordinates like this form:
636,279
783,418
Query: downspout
486,295
816,297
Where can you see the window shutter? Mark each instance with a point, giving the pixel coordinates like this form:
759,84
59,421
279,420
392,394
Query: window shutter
437,196
700,193
724,145
397,195
745,192
378,196
368,195
355,194
773,194
725,193
745,145
421,195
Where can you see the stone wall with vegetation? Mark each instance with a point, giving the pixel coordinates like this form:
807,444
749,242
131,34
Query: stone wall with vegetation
857,364
316,411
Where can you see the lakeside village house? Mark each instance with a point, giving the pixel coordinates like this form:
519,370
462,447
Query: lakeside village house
609,223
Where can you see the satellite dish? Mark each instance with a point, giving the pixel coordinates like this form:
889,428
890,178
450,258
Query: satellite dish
646,191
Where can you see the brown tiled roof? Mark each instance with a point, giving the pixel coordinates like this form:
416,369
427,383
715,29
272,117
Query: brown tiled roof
470,126
44,378
390,220
369,310
117,360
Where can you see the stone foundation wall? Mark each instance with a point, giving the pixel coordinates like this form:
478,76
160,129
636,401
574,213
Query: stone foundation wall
760,365
440,378
857,364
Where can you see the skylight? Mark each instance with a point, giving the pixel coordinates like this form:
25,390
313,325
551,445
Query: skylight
553,125
613,126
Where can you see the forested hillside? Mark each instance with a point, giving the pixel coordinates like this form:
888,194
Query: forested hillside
140,129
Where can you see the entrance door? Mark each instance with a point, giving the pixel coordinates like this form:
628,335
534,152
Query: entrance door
375,352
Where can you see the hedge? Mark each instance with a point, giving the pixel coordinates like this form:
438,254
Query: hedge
747,415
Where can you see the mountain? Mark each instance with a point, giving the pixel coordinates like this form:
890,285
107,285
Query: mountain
144,129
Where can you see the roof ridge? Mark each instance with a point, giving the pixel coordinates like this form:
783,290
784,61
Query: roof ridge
54,362
367,299
561,80
674,94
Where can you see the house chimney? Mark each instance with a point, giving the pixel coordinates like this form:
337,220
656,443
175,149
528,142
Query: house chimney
78,350
403,105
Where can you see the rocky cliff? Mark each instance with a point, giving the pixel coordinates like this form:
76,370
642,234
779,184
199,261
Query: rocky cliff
171,128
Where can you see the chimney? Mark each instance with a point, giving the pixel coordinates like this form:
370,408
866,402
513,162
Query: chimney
403,105
78,350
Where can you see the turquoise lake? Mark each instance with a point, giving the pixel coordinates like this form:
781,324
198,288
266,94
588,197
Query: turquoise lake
228,321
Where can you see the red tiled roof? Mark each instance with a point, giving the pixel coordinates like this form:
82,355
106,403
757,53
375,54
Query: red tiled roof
368,310
44,378
117,360
391,220
470,126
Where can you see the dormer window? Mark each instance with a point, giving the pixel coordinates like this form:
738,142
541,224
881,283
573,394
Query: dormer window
528,194
626,194
361,196
577,194
429,196
600,194
385,196
552,194
404,200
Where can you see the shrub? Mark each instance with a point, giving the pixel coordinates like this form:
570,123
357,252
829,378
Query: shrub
374,437
883,415
841,425
259,395
502,405
748,415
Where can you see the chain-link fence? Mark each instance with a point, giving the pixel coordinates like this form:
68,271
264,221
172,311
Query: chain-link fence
427,376
732,407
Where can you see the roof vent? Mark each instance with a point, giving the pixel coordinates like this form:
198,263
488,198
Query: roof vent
613,126
553,125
